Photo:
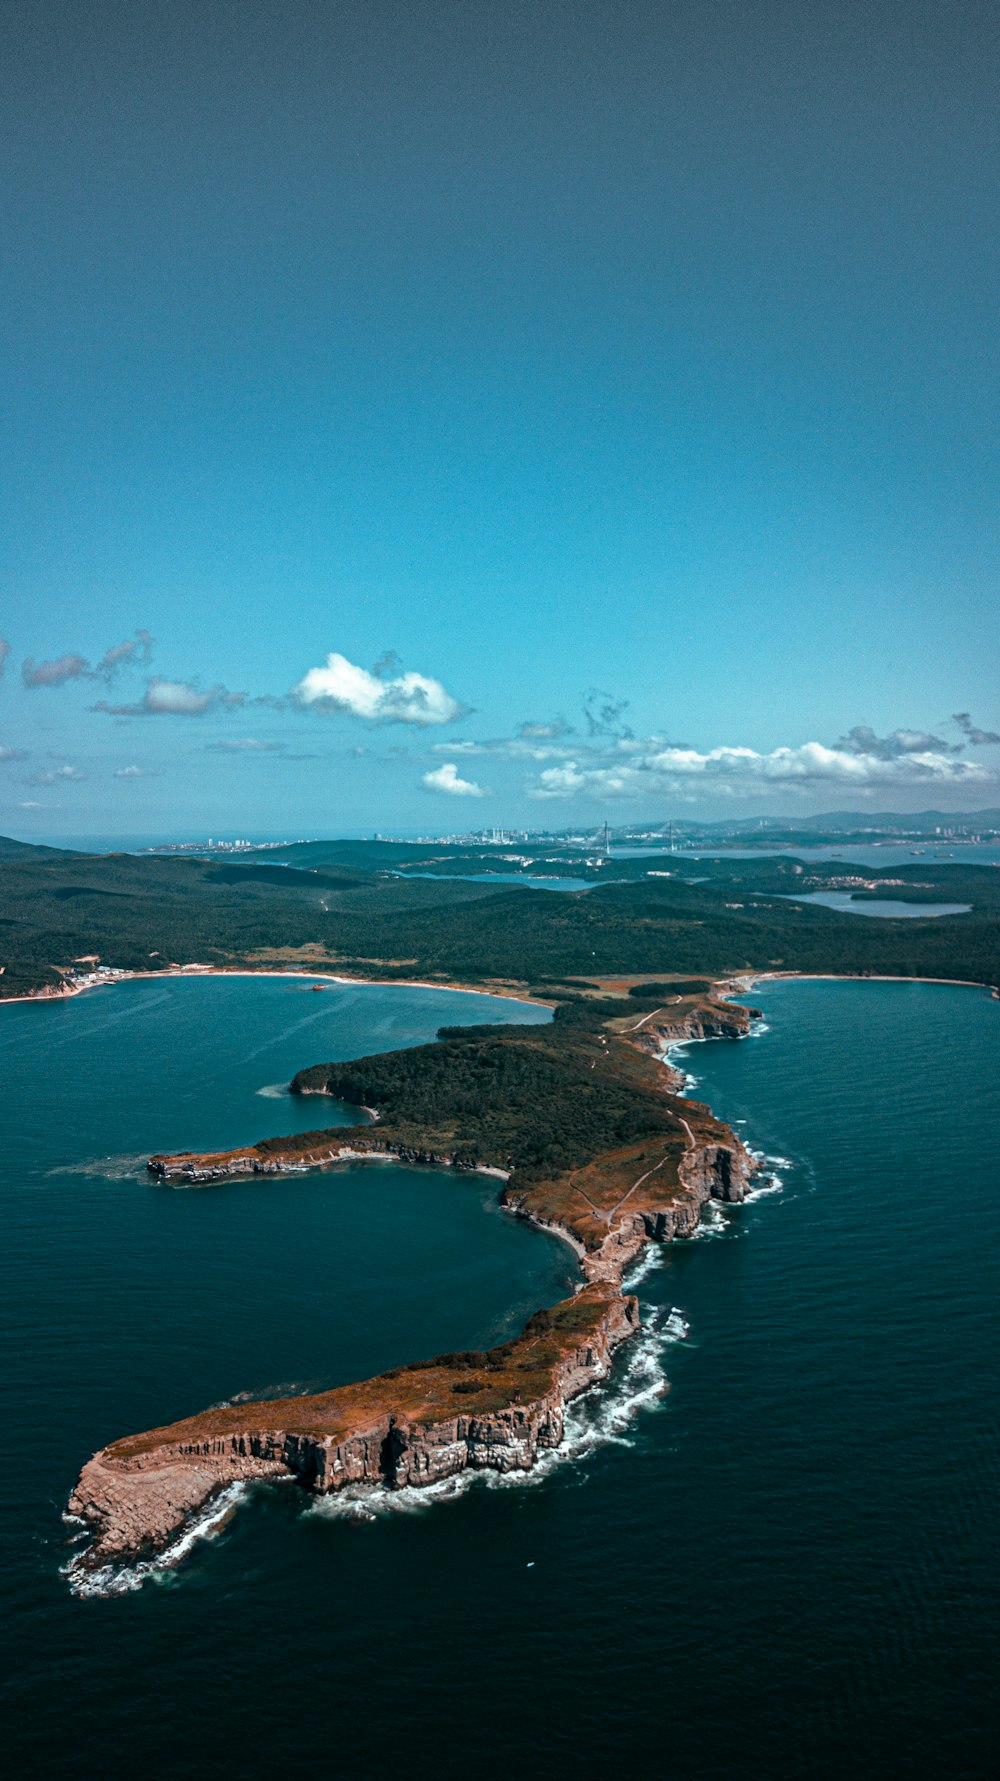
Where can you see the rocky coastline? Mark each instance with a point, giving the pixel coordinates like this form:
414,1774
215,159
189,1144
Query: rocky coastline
412,1427
499,1410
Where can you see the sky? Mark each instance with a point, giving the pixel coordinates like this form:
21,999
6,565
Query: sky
427,416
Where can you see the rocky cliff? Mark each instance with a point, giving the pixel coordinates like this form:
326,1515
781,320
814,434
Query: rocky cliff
309,1150
708,1019
411,1427
610,1220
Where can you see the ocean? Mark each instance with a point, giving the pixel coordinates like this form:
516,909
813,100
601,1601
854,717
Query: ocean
781,1565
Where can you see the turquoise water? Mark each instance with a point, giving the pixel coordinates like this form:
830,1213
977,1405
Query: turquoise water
783,1568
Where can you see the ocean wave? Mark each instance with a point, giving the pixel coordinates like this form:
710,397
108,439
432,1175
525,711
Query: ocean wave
601,1417
772,1184
274,1091
654,1256
110,1580
712,1223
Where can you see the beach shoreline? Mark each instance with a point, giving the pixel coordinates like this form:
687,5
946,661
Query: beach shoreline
506,992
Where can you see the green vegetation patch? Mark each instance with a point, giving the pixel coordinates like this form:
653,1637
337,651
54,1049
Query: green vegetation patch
509,1101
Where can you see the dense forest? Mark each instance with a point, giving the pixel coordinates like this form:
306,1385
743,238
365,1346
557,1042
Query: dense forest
357,913
536,1100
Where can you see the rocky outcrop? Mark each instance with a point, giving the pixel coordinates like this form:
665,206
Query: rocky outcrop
294,1156
409,1428
707,1020
712,1171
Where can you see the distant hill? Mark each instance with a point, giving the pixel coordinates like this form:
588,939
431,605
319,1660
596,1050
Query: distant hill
847,822
26,850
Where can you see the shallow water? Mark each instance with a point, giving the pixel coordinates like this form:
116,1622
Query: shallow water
784,1568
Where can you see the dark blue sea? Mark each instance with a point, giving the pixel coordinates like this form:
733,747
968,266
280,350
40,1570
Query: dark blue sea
783,1566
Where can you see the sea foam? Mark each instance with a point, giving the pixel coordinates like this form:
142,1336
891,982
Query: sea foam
601,1417
109,1580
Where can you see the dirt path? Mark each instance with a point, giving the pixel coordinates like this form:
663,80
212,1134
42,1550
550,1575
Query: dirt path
606,1215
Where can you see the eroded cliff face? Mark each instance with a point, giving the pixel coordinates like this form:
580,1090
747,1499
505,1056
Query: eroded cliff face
404,1429
710,1019
718,1171
201,1167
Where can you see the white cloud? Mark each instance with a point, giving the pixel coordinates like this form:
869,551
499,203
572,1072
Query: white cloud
137,773
655,767
4,653
12,754
406,699
445,779
175,698
32,804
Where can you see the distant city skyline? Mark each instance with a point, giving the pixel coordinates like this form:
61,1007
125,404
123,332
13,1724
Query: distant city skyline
421,419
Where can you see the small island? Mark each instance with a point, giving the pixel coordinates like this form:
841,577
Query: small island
582,1122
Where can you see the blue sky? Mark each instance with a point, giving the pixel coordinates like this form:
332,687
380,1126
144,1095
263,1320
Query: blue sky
627,371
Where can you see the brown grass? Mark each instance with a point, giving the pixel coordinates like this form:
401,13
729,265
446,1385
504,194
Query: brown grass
428,1392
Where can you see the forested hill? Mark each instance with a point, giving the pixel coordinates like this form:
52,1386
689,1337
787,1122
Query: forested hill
355,913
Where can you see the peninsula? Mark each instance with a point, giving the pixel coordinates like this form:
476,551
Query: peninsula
582,1122
579,1118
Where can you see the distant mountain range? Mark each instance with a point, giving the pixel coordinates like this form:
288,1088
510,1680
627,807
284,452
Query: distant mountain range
850,822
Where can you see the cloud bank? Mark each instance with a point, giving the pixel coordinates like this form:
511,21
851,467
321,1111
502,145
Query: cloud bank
409,698
645,768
